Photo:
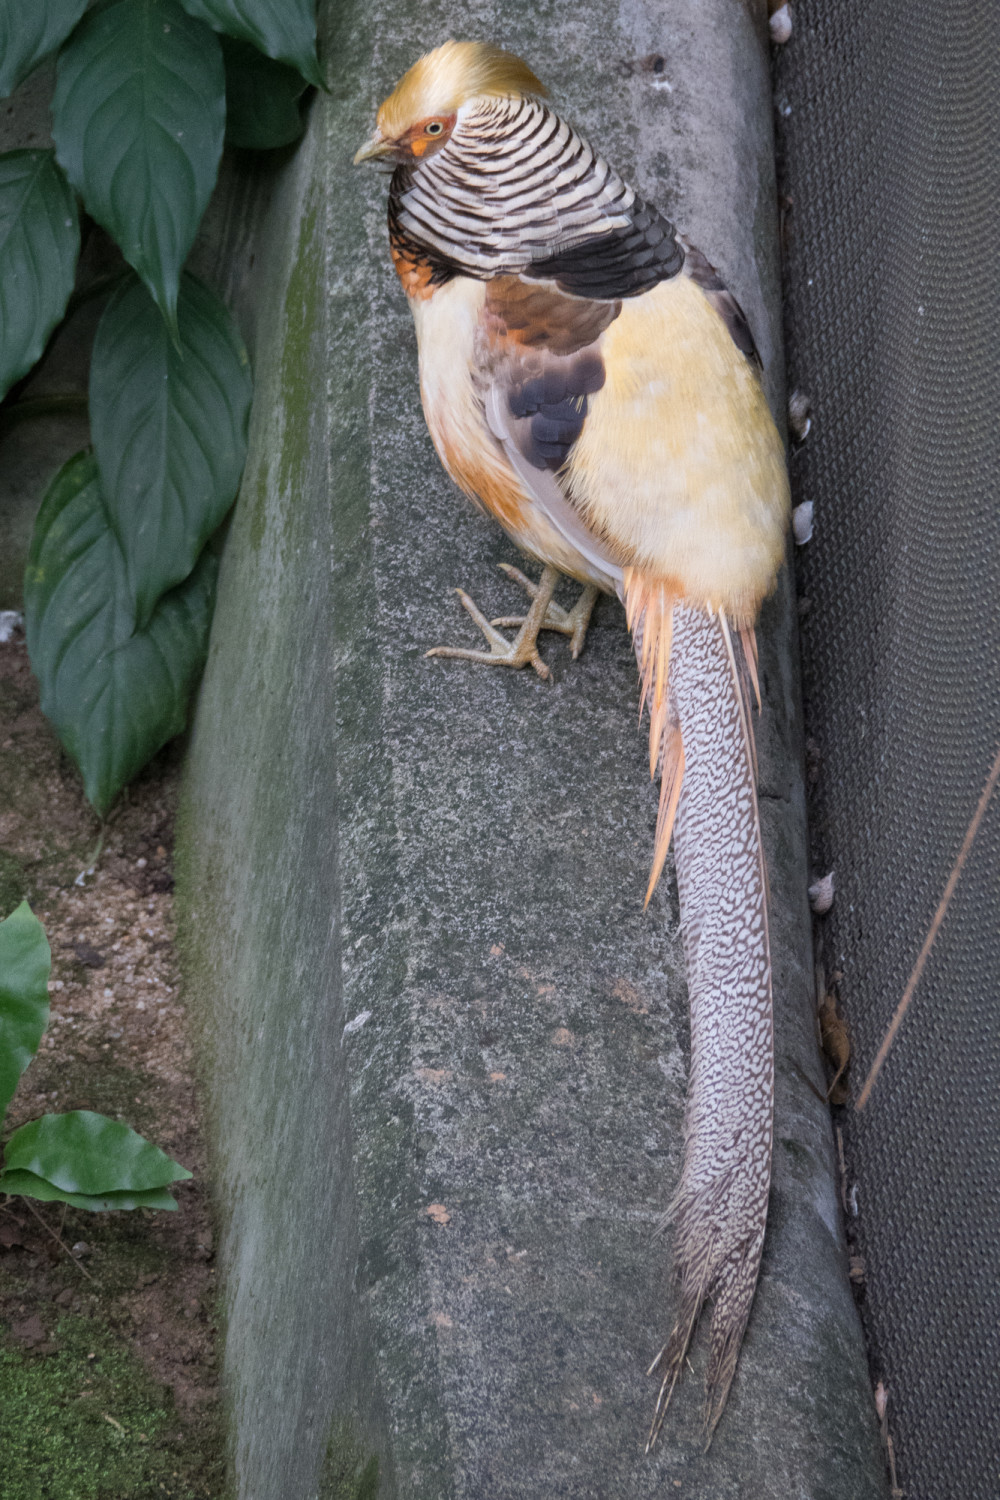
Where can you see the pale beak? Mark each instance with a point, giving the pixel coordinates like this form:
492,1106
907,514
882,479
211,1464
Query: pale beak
377,146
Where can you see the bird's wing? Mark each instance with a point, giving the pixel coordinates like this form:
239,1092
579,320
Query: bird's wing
538,364
621,381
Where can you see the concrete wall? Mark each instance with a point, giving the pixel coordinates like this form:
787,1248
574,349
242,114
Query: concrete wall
412,890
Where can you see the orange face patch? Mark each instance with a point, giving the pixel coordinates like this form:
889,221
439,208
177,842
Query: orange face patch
427,136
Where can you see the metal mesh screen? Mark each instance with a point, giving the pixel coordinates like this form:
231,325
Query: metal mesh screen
888,113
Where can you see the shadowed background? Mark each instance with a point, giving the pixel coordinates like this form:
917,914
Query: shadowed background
891,160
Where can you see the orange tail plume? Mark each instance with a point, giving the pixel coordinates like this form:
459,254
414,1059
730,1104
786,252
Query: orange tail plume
649,609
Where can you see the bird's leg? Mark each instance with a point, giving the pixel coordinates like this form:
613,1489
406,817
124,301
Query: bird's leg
572,622
524,647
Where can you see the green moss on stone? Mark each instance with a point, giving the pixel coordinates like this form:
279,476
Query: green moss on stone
350,1470
253,495
87,1422
298,358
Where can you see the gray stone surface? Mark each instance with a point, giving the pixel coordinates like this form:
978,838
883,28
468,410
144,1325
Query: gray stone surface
448,1048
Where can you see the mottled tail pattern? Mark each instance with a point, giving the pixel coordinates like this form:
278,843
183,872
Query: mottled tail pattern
696,682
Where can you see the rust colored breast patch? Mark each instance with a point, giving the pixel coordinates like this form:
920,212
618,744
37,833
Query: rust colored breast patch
416,275
420,268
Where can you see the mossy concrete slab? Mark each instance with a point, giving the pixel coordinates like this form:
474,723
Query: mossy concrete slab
448,1046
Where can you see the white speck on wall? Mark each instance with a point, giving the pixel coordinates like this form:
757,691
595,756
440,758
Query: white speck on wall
10,621
357,1022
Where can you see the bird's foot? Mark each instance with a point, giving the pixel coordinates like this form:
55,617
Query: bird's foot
572,622
523,649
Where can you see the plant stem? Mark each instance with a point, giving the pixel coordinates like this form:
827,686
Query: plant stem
88,868
60,1242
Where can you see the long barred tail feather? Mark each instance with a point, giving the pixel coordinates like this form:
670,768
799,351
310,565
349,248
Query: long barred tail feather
719,1211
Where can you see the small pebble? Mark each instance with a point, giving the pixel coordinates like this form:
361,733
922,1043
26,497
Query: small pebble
780,26
821,895
802,523
141,864
799,414
10,621
81,1248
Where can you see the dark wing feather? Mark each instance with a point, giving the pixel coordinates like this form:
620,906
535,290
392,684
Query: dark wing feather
622,263
538,362
703,274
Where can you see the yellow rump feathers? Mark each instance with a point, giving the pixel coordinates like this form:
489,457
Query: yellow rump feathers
442,81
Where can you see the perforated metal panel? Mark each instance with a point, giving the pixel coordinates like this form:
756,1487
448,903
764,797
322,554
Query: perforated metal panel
891,158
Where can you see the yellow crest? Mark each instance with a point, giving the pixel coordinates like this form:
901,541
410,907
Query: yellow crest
442,81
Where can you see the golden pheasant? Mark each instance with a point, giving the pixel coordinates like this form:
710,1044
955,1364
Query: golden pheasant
589,380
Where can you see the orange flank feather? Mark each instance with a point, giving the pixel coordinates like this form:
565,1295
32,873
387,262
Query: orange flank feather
483,478
748,640
649,611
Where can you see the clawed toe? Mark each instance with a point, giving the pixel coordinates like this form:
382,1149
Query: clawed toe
543,614
572,622
522,651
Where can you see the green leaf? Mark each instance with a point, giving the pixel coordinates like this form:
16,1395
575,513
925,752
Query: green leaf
29,31
83,1152
170,430
39,245
138,118
27,1185
25,962
263,97
282,29
114,693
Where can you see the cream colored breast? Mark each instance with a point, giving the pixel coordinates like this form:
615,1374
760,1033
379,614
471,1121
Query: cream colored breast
679,463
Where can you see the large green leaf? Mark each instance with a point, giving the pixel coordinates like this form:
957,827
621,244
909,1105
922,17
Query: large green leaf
27,1185
29,31
83,1152
283,29
263,98
138,117
39,245
25,962
114,693
170,430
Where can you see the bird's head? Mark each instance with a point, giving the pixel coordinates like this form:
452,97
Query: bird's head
420,114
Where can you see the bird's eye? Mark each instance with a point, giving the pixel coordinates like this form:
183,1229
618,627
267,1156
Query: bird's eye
434,128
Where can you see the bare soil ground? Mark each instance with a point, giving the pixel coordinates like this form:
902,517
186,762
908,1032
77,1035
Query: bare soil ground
119,1305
